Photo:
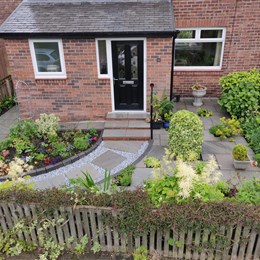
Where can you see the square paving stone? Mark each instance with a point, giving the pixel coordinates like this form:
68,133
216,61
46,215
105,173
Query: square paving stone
140,175
156,151
124,146
220,147
207,136
225,161
108,160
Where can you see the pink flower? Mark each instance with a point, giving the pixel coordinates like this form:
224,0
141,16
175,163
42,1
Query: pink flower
5,153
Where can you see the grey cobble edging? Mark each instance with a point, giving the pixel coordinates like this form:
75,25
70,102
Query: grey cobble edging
58,165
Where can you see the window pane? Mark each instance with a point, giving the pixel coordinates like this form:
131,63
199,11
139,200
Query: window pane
198,54
134,62
211,34
47,56
186,34
102,56
121,61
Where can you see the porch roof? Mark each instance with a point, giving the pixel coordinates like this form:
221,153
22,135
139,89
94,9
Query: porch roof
90,18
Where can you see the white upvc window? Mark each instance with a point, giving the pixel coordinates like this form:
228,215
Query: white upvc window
102,53
199,48
48,58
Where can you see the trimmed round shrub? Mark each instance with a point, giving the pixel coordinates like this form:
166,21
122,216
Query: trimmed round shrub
239,152
185,135
241,93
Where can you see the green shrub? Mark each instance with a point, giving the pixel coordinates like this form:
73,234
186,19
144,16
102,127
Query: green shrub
152,162
227,129
203,112
249,192
47,125
125,176
241,93
25,129
81,143
185,135
254,140
240,152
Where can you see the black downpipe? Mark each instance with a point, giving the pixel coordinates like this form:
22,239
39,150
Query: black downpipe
151,111
175,34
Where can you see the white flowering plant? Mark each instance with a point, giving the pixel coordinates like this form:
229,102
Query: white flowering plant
186,182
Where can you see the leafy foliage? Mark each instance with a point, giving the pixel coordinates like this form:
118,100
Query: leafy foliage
7,103
249,192
241,93
81,143
203,112
240,152
124,178
185,135
152,162
227,128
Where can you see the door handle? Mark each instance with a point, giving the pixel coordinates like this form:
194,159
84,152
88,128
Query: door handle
115,79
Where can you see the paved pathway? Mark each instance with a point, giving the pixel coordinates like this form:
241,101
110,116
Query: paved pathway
222,150
6,120
115,155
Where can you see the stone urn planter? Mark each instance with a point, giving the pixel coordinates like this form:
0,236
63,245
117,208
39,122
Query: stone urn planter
198,92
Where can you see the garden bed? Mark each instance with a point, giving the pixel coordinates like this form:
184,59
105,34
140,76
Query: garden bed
6,104
33,148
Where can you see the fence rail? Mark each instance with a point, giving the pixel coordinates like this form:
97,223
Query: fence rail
6,88
241,242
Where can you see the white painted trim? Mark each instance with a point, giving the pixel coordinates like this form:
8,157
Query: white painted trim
198,39
110,70
48,75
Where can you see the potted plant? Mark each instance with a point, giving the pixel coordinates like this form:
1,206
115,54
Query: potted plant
156,117
167,118
198,91
241,159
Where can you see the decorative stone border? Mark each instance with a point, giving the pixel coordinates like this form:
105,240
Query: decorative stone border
60,164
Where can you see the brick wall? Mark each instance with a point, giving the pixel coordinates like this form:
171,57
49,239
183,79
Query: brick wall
242,45
159,71
82,96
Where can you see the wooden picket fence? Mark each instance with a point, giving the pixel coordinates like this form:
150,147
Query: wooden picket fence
243,242
6,88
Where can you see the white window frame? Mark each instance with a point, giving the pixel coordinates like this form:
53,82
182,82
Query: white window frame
103,76
48,74
198,39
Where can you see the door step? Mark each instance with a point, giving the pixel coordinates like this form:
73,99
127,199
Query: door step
126,126
127,116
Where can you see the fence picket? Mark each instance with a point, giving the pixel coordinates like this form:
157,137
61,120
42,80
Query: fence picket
250,247
236,242
88,220
197,241
2,220
58,227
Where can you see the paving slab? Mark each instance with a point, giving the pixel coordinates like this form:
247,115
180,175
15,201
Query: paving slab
108,160
156,151
140,175
137,133
124,146
138,124
221,147
116,124
207,136
114,133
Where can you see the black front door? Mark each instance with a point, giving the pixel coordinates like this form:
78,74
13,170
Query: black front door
128,75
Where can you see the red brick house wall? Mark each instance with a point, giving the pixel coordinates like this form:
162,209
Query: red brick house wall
6,8
82,96
242,44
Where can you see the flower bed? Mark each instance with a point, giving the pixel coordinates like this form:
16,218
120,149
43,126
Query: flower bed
40,144
6,104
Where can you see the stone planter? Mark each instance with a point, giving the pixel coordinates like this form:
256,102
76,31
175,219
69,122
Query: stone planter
241,165
198,94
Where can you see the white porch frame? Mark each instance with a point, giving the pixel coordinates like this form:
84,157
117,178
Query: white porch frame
110,70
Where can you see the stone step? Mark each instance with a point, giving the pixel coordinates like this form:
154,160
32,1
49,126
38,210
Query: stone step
126,134
126,124
127,116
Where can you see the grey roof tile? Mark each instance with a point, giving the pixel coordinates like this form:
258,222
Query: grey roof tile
90,16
